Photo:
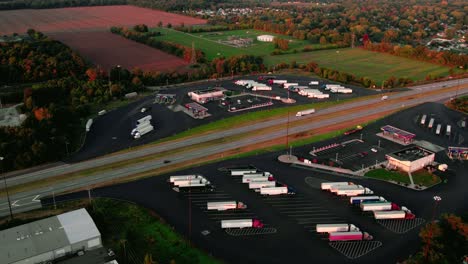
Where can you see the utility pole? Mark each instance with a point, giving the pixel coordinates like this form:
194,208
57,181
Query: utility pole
6,189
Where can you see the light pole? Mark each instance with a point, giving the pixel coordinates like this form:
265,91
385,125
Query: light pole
6,189
118,67
437,200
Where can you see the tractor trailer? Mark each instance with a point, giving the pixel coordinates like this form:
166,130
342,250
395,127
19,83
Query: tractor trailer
261,184
395,214
276,190
305,112
257,179
378,206
352,190
143,131
185,177
190,182
241,223
240,172
223,206
328,185
330,228
361,199
349,236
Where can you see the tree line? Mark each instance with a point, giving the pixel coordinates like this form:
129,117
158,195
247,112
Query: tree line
43,4
420,53
150,39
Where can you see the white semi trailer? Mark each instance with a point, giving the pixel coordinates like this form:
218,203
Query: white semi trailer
143,131
329,228
276,190
240,172
185,177
305,112
241,223
328,185
261,184
227,205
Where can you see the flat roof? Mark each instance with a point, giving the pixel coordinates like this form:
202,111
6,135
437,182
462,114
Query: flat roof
411,154
458,149
209,90
398,132
197,107
32,239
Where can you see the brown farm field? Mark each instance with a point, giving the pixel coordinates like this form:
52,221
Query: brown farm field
107,50
77,19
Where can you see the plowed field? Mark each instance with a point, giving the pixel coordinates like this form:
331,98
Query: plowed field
107,50
86,18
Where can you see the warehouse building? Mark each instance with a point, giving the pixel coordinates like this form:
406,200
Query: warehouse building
410,159
49,239
265,38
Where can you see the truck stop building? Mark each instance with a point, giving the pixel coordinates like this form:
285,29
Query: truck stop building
49,239
204,96
410,159
397,134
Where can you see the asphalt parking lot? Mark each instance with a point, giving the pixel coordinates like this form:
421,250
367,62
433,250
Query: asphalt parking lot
293,218
111,131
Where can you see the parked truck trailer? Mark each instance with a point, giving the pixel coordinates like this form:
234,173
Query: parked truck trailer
261,184
185,177
378,206
227,205
328,185
276,190
349,236
350,191
359,199
395,214
330,228
241,223
240,172
143,131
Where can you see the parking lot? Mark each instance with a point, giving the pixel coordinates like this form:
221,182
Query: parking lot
294,217
111,131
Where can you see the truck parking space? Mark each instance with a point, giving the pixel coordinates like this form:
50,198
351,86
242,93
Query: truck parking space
401,226
355,249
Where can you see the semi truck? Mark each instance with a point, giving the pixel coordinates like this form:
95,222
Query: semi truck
336,188
241,223
347,191
256,178
305,112
227,205
145,119
240,172
198,187
349,236
185,177
378,206
265,173
360,199
276,190
143,131
261,88
423,120
191,182
328,185
277,81
261,184
431,123
352,131
448,130
330,228
438,128
395,214
314,83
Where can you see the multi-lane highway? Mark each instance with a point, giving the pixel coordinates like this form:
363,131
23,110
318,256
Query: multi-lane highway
29,199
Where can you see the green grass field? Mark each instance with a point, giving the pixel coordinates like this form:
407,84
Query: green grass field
362,63
208,42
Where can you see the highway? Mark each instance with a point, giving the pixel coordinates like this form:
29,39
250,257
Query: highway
28,200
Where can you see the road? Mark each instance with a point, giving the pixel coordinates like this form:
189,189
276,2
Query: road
27,200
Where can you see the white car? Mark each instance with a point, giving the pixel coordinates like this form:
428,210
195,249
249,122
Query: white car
373,150
143,109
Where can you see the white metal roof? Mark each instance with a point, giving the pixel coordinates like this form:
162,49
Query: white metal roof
78,225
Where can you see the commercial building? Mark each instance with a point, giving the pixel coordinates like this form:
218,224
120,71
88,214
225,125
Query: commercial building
265,38
49,239
204,96
410,159
398,135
